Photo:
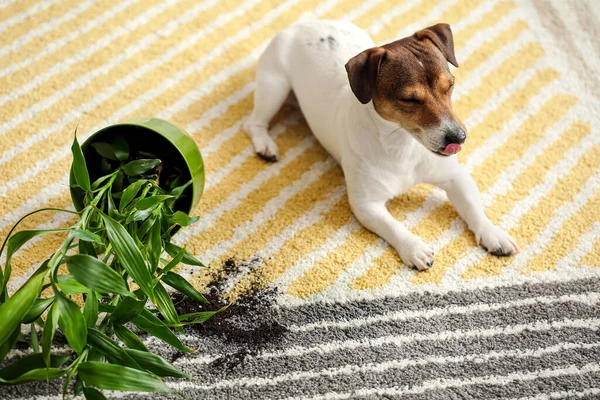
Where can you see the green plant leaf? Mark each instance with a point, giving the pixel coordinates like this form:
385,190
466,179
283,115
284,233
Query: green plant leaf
87,248
165,305
130,192
35,343
77,387
121,148
17,241
4,277
147,154
85,235
129,338
129,256
117,185
139,215
167,208
148,202
36,310
138,167
110,349
126,310
146,226
117,377
71,372
70,286
79,167
96,275
90,309
16,307
48,332
41,374
155,364
9,343
95,355
112,209
178,191
105,150
182,219
173,249
173,180
148,322
99,181
181,284
105,166
199,317
174,262
154,246
72,323
31,365
103,307
91,393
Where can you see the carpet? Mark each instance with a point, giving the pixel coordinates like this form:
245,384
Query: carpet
342,317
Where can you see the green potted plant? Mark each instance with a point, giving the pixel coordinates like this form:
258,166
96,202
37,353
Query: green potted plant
133,186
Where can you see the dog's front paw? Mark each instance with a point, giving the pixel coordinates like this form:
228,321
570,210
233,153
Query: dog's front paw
496,241
417,254
264,146
266,149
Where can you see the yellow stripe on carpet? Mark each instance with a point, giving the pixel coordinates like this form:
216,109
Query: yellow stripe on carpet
193,62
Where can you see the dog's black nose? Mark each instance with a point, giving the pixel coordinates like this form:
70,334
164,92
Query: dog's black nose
455,135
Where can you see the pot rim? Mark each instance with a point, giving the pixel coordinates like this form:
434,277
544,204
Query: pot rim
175,135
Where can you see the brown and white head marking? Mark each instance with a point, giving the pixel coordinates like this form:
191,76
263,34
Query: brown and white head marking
410,84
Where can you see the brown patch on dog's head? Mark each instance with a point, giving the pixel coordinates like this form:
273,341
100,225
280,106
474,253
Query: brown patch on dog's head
409,83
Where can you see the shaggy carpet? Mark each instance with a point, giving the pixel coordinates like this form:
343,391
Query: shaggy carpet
324,309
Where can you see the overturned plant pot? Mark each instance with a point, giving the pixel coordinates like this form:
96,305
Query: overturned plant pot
133,185
147,138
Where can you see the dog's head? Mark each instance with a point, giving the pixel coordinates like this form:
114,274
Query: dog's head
410,84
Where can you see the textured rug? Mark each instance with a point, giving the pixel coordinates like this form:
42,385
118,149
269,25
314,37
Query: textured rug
331,311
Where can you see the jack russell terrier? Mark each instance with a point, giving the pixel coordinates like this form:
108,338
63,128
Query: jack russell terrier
386,118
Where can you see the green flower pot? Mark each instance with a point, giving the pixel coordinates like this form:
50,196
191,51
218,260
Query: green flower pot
171,144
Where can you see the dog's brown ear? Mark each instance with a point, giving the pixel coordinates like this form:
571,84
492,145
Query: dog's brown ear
363,71
441,36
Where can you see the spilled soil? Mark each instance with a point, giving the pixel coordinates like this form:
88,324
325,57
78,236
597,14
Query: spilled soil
249,324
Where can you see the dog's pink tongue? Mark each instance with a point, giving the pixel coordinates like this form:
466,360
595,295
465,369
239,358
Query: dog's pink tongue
452,148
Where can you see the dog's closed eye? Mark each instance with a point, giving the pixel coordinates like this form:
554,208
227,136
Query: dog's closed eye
450,86
411,100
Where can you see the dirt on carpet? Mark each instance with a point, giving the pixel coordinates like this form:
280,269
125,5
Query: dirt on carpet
248,324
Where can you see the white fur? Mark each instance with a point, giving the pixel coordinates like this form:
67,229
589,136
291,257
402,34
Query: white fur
380,159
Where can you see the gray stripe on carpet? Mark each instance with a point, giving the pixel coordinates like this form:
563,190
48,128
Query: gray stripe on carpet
250,366
514,389
412,354
417,301
426,330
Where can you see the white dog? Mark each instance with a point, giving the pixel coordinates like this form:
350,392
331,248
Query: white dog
386,118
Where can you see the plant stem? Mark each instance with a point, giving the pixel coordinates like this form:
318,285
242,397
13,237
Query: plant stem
57,257
105,321
107,253
106,188
27,215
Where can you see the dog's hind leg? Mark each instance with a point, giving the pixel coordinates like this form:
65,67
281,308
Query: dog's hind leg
272,90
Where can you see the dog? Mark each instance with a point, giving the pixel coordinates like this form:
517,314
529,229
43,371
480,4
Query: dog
384,113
